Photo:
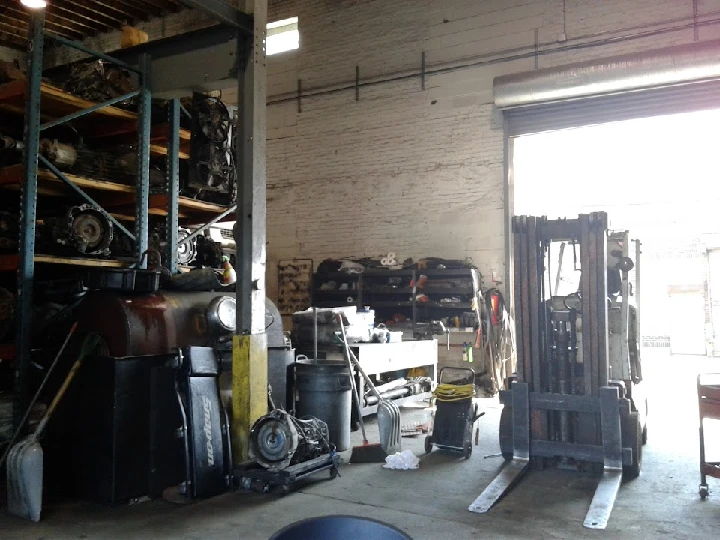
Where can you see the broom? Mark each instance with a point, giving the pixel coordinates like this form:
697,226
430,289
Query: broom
365,453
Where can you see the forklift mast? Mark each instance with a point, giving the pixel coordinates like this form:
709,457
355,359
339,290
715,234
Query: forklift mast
574,400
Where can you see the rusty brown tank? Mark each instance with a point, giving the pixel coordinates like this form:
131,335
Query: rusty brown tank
148,324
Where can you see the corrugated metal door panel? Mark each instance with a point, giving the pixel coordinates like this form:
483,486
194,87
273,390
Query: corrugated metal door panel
714,270
599,110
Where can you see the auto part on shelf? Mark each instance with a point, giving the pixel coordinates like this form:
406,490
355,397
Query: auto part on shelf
208,253
7,311
62,155
10,143
186,251
8,230
85,229
278,440
115,164
99,81
212,156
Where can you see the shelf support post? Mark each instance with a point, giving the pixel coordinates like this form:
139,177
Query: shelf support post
249,371
143,161
173,186
28,215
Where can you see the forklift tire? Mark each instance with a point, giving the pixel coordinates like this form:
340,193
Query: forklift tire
632,437
467,449
505,433
428,444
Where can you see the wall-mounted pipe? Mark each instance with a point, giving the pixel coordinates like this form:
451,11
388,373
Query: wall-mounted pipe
671,66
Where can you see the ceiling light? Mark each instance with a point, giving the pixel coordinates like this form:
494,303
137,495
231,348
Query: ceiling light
34,4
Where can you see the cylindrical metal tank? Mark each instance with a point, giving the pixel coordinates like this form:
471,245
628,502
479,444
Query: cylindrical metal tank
133,325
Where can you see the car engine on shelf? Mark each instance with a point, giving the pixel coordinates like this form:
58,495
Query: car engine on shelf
83,229
99,81
212,152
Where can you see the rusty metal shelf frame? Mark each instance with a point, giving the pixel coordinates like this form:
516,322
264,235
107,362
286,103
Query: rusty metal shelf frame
29,187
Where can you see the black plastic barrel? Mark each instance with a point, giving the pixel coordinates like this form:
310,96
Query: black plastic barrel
334,527
325,392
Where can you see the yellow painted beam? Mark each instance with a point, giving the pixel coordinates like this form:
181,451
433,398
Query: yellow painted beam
249,389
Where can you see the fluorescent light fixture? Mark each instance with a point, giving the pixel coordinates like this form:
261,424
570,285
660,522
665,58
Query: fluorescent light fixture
34,4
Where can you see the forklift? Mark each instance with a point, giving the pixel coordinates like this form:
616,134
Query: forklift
576,400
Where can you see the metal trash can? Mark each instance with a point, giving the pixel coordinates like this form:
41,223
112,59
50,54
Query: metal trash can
325,392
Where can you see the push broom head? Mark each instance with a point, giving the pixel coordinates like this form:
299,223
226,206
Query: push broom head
368,453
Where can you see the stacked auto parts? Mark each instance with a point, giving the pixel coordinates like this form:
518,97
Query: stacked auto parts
212,155
99,81
83,229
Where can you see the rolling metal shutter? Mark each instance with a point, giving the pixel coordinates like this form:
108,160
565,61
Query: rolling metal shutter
666,81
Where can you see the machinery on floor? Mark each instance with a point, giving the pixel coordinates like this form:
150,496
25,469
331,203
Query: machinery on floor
456,413
577,399
157,396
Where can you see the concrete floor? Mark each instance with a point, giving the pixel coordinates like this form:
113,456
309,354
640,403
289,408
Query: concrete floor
431,503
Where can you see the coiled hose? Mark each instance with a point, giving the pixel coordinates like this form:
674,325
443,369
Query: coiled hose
454,392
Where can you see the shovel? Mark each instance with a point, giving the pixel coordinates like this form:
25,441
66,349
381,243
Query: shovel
25,459
388,414
365,453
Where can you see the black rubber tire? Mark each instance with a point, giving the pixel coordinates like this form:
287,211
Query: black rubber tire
632,438
467,449
505,433
428,444
704,492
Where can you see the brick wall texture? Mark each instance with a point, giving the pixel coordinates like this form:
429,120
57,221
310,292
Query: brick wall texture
420,172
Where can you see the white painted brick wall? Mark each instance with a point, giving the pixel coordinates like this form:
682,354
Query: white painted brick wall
420,173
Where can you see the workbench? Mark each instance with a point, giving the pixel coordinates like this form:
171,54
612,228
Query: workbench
379,358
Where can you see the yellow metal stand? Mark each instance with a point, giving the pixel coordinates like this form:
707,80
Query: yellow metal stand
249,389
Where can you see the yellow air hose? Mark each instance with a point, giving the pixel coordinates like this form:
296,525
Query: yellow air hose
454,392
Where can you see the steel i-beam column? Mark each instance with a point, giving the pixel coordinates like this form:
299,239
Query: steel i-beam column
143,162
28,209
173,186
249,400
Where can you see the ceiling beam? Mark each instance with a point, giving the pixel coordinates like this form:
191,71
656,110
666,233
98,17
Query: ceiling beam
77,14
223,12
13,41
52,21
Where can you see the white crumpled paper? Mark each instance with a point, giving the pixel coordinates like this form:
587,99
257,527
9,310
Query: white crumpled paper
402,461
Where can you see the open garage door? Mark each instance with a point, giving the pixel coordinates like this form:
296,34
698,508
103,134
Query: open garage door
687,322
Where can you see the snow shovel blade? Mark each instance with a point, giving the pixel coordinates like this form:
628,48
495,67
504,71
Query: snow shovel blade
388,425
25,479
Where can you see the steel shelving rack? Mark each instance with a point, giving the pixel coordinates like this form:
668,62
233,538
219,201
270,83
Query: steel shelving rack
38,176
